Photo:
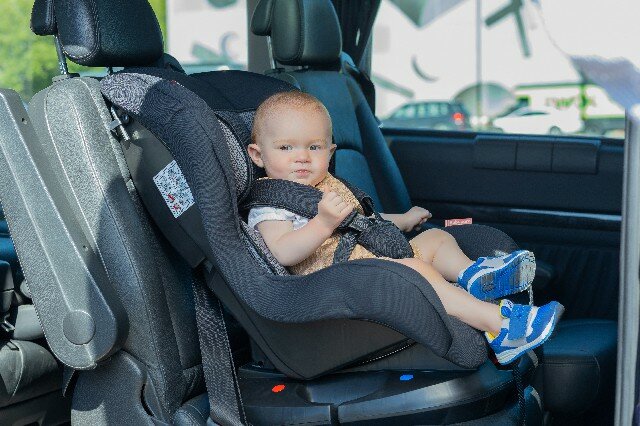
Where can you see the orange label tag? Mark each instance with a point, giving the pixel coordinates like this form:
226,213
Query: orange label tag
457,222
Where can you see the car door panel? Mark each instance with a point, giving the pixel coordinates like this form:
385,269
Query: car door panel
557,196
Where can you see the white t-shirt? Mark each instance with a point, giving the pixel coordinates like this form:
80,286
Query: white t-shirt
260,214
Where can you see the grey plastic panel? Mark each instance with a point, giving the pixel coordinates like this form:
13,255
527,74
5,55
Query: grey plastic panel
99,400
494,153
58,260
72,122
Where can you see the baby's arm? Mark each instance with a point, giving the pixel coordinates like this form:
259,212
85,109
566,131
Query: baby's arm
415,217
291,247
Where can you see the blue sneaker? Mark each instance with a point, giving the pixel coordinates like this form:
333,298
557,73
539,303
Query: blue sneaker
491,278
524,327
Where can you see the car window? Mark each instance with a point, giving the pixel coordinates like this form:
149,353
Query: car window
475,54
409,111
402,112
437,109
421,111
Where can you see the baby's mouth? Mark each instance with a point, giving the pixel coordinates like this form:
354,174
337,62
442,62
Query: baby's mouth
302,172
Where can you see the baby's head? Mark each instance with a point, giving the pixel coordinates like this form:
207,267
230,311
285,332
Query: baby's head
291,138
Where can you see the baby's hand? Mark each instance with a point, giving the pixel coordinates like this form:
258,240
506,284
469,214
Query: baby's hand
332,210
415,217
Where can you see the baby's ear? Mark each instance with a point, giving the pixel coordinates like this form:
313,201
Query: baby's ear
332,148
255,154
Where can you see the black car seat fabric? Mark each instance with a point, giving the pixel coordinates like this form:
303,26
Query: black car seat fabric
368,289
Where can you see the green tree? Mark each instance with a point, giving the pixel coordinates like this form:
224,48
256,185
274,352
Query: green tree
28,62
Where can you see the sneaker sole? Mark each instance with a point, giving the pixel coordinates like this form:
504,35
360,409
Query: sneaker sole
521,278
507,356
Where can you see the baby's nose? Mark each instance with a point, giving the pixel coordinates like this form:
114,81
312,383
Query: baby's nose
302,156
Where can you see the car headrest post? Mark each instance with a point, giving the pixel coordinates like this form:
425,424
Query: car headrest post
62,60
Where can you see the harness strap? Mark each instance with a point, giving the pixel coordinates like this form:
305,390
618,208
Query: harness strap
225,401
346,245
303,200
297,198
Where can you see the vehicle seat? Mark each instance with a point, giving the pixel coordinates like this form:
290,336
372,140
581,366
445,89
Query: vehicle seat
114,299
305,37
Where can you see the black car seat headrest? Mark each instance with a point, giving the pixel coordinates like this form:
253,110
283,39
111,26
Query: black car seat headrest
303,32
43,19
99,33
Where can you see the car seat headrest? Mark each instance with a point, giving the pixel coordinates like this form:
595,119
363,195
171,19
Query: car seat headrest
43,20
104,33
303,32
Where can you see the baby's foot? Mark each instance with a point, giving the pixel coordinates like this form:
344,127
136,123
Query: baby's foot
524,327
491,278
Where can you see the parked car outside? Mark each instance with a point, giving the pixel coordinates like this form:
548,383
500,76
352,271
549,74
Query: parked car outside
539,121
438,115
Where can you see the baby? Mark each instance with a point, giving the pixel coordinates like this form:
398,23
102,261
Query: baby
291,140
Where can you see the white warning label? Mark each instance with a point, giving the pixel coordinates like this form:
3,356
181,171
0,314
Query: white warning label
174,189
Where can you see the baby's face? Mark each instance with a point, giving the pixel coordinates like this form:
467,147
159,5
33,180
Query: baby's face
295,145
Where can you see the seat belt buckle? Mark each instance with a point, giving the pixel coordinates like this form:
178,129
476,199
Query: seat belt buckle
458,222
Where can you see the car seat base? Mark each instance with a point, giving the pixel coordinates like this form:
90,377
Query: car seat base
407,397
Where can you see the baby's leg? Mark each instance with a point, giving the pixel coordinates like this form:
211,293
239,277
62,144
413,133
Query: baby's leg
441,250
511,329
457,302
488,278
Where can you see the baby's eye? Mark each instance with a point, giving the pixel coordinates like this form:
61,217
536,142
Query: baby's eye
285,147
315,147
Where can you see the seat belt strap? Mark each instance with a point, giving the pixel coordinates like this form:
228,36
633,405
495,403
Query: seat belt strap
220,377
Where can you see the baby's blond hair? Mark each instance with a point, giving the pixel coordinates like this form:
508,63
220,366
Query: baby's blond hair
275,103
